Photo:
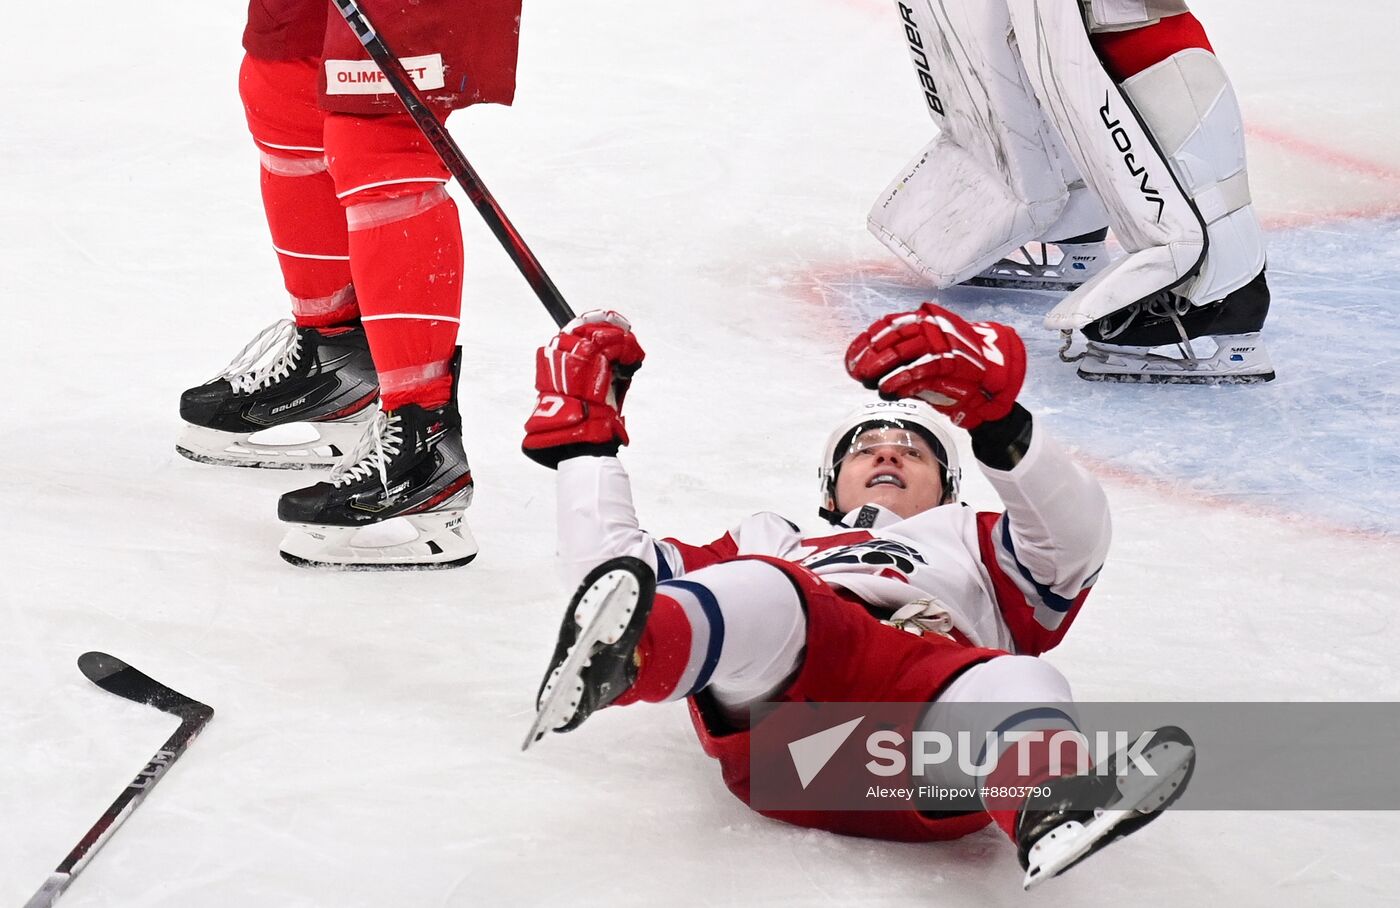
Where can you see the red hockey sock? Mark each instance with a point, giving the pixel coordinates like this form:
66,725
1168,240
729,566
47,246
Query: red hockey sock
1036,758
406,256
306,220
307,224
664,650
405,252
1125,54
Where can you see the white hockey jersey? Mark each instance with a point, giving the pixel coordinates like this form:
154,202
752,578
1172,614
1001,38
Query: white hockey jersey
1010,580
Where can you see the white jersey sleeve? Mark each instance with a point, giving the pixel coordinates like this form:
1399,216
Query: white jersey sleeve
597,521
1044,552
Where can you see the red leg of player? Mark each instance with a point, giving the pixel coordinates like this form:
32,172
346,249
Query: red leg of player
305,219
405,245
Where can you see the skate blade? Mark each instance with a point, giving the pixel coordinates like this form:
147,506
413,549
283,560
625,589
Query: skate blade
1237,360
1045,267
1142,795
295,446
615,596
1175,378
1041,285
422,542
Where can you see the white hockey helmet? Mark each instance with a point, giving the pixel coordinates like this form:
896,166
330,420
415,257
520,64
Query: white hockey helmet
914,415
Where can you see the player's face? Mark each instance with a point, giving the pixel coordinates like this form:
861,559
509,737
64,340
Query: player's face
894,468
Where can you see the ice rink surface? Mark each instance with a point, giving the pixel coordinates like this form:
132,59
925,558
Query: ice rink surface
705,168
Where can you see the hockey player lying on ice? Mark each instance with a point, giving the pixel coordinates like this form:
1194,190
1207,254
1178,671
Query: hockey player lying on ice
767,613
1058,119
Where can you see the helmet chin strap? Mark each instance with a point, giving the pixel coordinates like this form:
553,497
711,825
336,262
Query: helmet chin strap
836,518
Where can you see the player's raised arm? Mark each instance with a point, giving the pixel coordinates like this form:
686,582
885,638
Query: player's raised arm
1045,551
582,376
577,428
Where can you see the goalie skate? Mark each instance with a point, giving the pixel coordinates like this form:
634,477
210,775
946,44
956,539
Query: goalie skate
1236,359
593,661
394,503
1085,813
1168,339
1059,267
294,398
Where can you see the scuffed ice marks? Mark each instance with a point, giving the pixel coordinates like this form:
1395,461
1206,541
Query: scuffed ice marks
1322,442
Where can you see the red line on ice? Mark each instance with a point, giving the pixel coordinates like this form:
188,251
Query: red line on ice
1326,154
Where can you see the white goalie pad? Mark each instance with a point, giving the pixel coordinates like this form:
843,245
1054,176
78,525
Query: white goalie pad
1191,108
948,217
1149,213
997,175
1164,153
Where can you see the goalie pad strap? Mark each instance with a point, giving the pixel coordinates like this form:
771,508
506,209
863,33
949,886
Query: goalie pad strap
1117,15
1224,198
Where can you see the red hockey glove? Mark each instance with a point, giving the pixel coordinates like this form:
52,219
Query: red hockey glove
582,376
969,371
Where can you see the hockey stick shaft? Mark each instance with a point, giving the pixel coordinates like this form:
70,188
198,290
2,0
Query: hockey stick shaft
115,815
456,162
116,677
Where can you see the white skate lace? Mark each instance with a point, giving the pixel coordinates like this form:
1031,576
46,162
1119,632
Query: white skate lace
922,616
382,439
269,357
1163,305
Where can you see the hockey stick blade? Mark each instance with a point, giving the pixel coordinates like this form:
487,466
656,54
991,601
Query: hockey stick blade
116,677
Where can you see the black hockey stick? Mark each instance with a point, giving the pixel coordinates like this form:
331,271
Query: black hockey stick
115,676
442,142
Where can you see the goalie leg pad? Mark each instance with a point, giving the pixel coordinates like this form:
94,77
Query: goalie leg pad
988,183
948,217
1194,115
1164,151
1149,212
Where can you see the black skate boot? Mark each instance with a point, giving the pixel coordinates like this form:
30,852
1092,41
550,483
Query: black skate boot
1083,813
1213,344
323,377
409,464
594,661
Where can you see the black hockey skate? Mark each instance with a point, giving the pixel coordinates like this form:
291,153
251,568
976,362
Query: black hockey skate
1084,813
409,464
594,660
1213,344
323,378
